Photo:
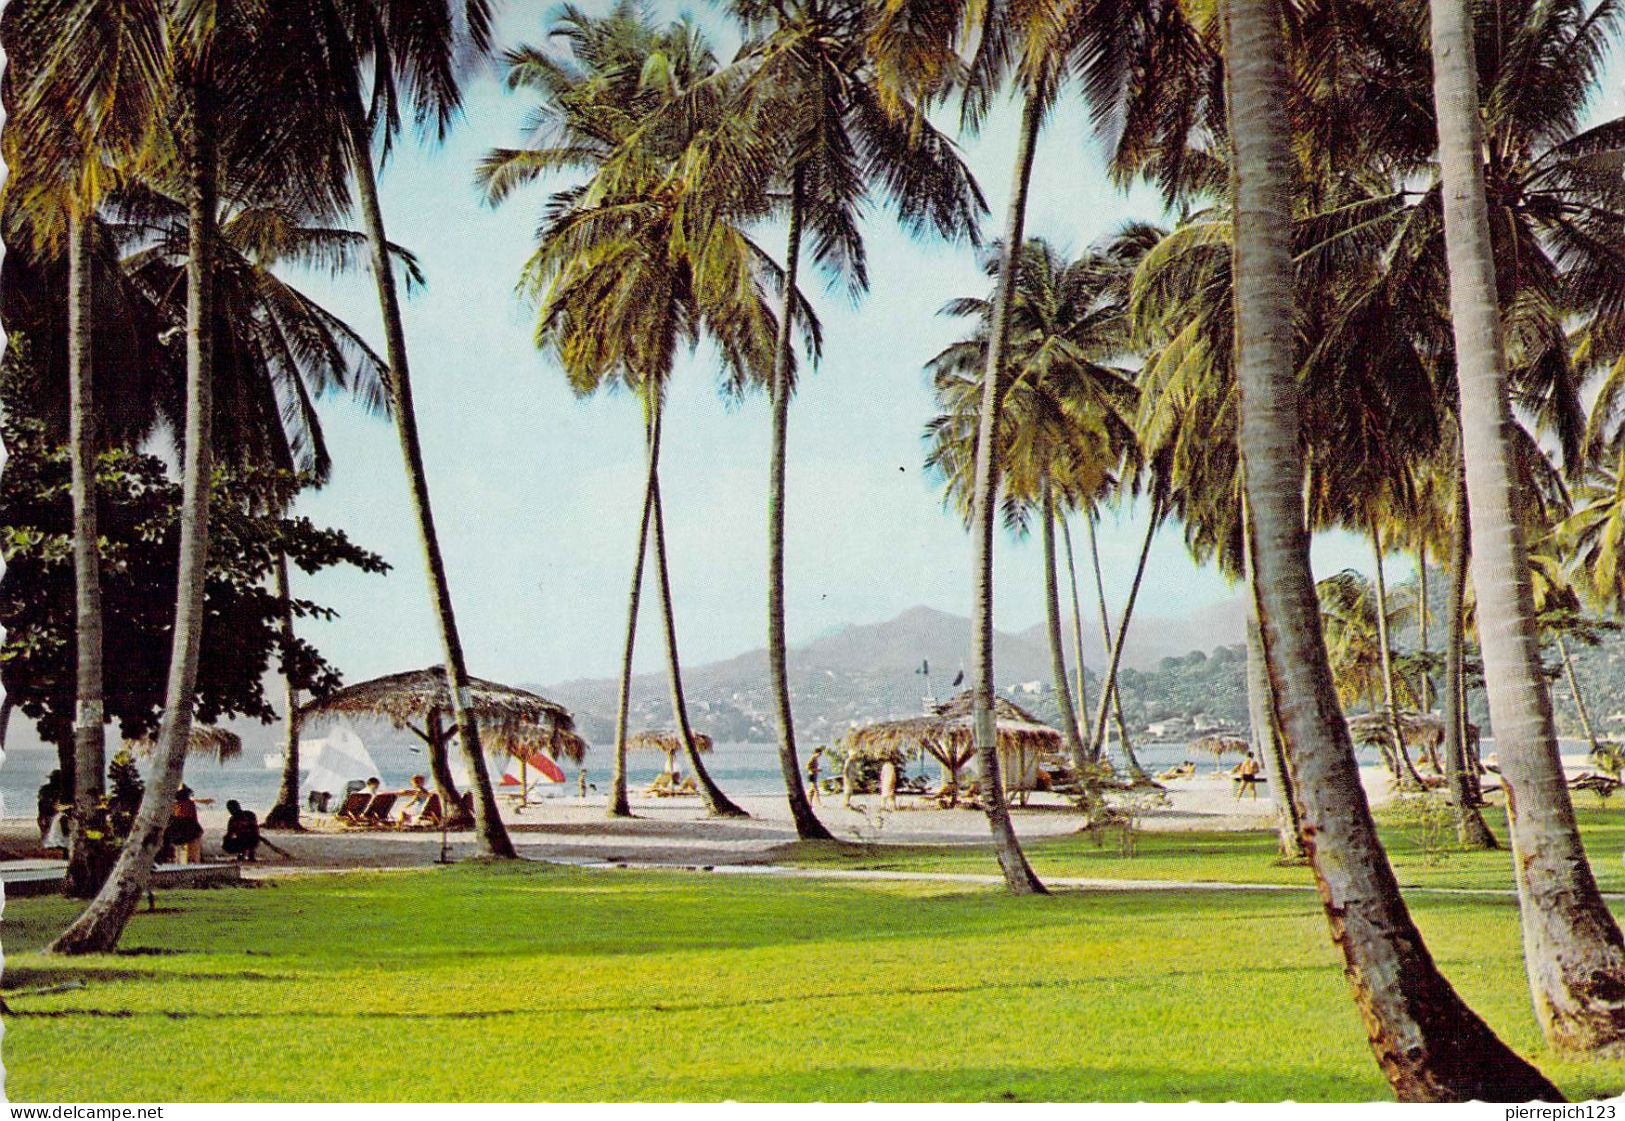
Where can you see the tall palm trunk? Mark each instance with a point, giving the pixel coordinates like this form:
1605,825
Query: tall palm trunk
1459,765
1406,773
1018,874
808,827
1429,1044
1573,949
89,746
717,803
1574,691
285,813
1266,735
493,836
619,806
1081,707
1052,630
101,925
1109,686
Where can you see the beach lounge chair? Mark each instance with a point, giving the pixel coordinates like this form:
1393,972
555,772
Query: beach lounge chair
377,811
354,806
431,813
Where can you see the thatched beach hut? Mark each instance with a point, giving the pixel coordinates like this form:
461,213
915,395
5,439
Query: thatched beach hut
206,741
1419,729
1220,744
948,735
669,742
512,722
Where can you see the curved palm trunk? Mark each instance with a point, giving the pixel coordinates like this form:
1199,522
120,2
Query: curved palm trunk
1098,737
89,745
494,840
1082,704
1018,874
1109,686
717,803
1573,949
808,827
1052,630
1429,1044
1402,757
436,737
619,806
285,813
1459,765
101,925
1574,691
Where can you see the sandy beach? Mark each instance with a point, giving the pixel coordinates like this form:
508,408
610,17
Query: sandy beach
671,831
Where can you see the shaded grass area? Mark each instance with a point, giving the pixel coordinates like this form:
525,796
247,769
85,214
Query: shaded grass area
1239,857
537,982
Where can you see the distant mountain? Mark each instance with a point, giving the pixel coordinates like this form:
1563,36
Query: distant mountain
870,671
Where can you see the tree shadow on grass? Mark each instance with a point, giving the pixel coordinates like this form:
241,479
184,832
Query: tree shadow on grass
1034,1084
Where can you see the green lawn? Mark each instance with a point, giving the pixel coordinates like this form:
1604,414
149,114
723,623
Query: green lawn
1236,857
536,982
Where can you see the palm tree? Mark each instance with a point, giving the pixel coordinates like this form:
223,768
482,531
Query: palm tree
91,81
283,351
640,107
1429,1043
841,137
1573,949
409,50
1065,432
227,62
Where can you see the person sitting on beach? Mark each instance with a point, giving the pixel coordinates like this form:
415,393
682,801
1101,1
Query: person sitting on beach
1246,775
184,834
415,797
52,797
815,761
242,832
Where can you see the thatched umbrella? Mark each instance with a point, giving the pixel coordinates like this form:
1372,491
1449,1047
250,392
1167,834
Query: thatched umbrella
667,741
514,722
1219,744
206,740
948,735
1418,729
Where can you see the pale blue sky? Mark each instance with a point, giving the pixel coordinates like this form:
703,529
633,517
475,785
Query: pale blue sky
536,493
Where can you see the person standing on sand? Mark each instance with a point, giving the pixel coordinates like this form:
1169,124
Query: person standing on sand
888,785
849,779
185,834
815,761
1247,776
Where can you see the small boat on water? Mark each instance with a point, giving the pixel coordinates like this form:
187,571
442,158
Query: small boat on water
272,760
